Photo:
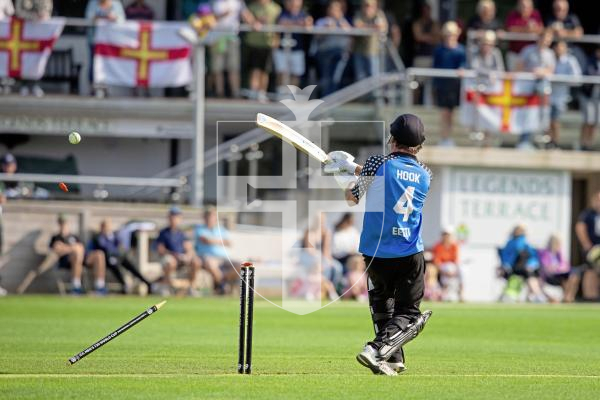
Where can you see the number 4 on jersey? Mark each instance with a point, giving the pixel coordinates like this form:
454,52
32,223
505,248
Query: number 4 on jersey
404,205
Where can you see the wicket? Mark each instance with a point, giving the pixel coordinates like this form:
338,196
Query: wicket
246,318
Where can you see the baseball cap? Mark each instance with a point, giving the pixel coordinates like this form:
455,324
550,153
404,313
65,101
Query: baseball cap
8,159
408,130
174,210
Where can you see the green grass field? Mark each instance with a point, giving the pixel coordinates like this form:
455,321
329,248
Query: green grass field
189,350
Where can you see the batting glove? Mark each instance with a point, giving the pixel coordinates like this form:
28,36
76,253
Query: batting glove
340,162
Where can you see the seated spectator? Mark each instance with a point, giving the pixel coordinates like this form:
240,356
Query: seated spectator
10,189
139,10
70,252
449,55
587,230
32,10
589,101
210,242
520,260
107,246
566,64
485,19
445,258
97,10
563,24
356,279
316,246
345,240
6,9
292,64
433,289
331,51
524,19
260,46
366,48
176,251
539,59
555,270
225,52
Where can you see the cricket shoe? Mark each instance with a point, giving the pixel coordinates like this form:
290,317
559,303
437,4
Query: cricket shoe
396,361
369,358
392,343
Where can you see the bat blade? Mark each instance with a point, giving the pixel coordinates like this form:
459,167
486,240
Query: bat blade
289,135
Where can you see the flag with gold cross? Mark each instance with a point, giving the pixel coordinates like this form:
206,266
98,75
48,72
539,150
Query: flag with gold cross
141,54
504,105
26,45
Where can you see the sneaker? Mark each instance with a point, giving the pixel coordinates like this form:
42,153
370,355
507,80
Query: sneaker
37,91
3,292
192,292
396,361
103,291
24,91
77,291
369,358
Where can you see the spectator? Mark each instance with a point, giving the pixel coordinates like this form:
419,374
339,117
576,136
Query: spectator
6,9
225,52
525,19
32,10
356,280
316,245
366,48
426,32
445,258
449,55
394,37
555,270
210,242
487,57
566,64
587,230
331,51
175,251
563,24
107,246
590,103
2,203
139,10
260,46
10,189
70,250
294,63
485,19
538,59
520,260
98,10
345,240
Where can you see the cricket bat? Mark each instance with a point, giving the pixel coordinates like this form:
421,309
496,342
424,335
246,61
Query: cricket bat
289,135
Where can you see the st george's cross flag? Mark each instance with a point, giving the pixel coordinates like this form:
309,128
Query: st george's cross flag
25,46
141,54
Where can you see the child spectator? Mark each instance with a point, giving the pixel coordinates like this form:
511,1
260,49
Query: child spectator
97,10
366,48
225,52
555,270
566,64
70,252
520,259
485,19
107,246
445,258
210,242
356,279
331,51
6,9
33,10
293,64
590,103
175,251
260,46
449,55
139,10
345,240
525,19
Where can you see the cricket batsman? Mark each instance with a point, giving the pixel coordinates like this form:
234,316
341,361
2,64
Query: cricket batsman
395,186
